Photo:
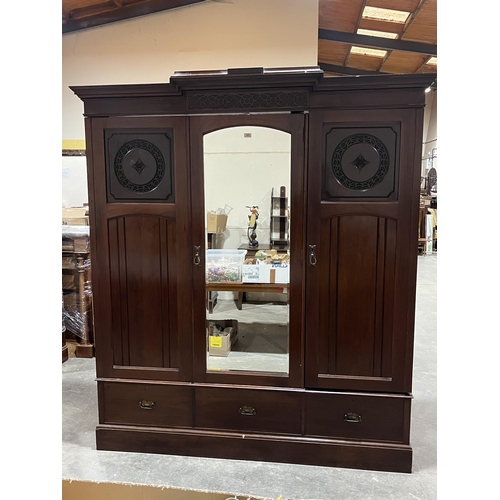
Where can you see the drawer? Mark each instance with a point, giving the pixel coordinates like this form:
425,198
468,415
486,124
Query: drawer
377,417
145,404
248,410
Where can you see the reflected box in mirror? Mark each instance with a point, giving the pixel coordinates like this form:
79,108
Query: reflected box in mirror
216,223
265,273
226,336
224,266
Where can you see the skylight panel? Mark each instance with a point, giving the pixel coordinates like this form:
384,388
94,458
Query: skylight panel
363,51
380,34
394,16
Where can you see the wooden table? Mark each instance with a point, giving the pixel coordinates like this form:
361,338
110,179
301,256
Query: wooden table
251,251
241,288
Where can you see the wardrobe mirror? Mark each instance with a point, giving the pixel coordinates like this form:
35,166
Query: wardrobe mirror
247,202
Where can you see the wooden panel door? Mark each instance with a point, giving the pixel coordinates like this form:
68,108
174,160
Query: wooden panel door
363,183
141,264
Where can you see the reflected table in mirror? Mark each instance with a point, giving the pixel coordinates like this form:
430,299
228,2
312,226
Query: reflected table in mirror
242,288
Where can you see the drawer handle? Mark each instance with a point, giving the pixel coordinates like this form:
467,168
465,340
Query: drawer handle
352,417
248,410
146,405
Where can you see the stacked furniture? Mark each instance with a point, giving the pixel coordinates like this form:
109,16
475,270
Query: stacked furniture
354,196
77,289
65,352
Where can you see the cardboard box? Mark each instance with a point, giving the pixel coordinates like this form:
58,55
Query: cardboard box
80,489
221,345
265,273
216,223
75,216
256,273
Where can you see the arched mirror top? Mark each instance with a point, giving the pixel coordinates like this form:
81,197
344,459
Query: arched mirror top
246,139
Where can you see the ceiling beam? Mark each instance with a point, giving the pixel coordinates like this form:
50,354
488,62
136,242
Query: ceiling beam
410,19
423,65
376,42
125,12
333,68
413,16
360,16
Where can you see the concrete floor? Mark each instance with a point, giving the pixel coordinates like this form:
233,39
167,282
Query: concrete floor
82,462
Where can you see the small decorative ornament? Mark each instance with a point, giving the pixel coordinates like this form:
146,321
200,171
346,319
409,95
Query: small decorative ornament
360,162
252,225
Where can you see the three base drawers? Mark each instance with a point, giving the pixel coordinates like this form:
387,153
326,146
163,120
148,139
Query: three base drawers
315,414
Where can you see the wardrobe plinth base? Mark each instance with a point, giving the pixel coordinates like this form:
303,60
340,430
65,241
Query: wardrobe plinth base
267,448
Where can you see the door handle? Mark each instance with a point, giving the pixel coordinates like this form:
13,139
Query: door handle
197,258
312,255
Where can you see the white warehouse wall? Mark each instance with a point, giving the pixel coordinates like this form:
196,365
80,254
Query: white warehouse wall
205,36
242,165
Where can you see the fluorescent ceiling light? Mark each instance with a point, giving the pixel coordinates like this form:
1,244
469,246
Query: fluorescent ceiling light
381,34
368,52
395,16
433,61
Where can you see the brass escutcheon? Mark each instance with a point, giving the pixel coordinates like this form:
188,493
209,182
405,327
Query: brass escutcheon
248,410
146,405
352,417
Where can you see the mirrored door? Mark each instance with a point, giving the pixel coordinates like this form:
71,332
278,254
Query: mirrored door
247,274
250,267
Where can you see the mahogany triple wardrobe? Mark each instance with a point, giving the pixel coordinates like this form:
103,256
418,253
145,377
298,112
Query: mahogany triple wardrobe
340,395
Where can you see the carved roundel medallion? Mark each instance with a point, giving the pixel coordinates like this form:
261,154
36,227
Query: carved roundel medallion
139,166
360,162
